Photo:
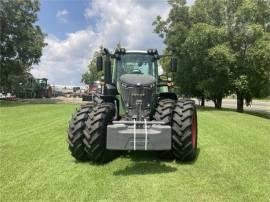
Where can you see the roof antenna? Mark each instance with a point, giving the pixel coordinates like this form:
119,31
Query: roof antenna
119,45
101,48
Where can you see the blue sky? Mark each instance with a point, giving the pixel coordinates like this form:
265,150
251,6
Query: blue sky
76,28
56,26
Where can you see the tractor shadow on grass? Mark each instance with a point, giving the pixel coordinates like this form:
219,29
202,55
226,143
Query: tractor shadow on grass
145,168
143,163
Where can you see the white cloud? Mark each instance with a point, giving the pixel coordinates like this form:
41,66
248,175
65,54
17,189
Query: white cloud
63,61
62,15
129,22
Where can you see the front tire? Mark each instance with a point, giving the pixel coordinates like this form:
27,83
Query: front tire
96,133
75,133
164,112
184,131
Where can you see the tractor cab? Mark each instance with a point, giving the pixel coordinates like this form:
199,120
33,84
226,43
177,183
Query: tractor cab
42,82
136,63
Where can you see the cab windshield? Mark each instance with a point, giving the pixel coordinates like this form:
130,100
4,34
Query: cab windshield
136,63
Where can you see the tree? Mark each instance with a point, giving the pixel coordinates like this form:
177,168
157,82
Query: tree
211,12
207,63
245,22
218,84
174,30
222,47
258,59
247,28
190,42
92,74
21,39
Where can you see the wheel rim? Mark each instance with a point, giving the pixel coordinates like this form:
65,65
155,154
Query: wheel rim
194,131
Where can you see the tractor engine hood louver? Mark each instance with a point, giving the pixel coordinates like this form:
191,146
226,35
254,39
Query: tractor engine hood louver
136,88
137,79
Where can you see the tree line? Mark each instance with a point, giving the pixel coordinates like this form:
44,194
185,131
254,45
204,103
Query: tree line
223,47
21,42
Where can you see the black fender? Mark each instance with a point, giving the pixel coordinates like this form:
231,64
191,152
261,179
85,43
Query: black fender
168,95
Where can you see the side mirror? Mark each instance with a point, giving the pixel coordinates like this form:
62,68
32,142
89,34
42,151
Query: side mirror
173,65
99,63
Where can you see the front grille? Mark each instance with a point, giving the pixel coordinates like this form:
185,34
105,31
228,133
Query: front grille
133,94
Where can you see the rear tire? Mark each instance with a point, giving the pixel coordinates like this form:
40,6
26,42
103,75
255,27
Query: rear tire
96,133
164,112
184,131
75,133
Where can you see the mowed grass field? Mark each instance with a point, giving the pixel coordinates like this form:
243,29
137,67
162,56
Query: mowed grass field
233,162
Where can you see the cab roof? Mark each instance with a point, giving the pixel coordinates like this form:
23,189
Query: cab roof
136,51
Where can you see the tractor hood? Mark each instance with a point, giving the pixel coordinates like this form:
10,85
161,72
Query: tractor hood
137,79
137,92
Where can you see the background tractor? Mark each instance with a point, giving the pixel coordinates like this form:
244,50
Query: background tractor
27,86
42,89
133,111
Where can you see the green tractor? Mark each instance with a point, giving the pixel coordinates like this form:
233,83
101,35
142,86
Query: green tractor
29,87
42,89
133,112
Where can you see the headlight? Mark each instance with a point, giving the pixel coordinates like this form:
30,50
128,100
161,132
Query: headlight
123,85
152,85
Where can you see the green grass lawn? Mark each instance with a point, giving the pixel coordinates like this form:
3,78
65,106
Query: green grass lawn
233,162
